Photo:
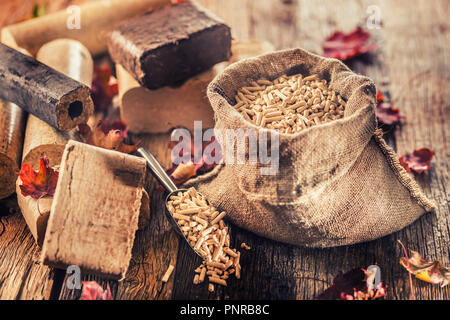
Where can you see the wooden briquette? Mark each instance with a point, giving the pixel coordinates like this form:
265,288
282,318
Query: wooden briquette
71,58
12,126
167,46
95,210
156,111
44,92
96,19
35,215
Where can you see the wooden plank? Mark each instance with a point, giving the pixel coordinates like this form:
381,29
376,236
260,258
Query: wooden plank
21,275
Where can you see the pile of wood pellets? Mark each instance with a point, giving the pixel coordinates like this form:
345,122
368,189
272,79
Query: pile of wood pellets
289,104
206,232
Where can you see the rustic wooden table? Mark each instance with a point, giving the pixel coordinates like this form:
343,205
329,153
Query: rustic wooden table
411,63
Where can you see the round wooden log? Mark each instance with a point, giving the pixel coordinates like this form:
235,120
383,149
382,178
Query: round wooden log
95,19
12,125
35,215
71,58
44,92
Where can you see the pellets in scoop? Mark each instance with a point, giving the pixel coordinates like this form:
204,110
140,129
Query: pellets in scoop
289,104
207,233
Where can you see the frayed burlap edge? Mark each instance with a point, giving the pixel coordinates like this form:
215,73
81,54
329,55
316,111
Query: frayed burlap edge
402,175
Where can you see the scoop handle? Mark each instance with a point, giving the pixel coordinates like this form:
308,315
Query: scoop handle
157,171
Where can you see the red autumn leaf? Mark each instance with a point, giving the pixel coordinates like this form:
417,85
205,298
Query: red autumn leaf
38,184
344,46
104,87
93,291
380,97
429,271
182,172
107,126
356,284
112,139
418,161
386,113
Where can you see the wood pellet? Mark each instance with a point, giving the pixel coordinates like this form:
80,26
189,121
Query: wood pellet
207,233
289,104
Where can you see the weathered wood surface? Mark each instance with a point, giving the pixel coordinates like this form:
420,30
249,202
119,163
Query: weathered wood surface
411,64
21,275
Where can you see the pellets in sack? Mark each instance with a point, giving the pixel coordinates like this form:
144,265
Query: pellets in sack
289,104
207,233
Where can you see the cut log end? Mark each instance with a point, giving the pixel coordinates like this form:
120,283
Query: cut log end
74,108
51,151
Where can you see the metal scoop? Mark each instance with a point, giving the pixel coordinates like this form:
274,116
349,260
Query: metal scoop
163,178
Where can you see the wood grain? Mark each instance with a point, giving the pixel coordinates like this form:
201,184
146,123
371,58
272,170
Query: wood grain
22,276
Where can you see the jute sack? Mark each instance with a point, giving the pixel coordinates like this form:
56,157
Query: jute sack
338,183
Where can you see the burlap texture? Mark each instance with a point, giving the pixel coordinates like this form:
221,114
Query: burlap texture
337,184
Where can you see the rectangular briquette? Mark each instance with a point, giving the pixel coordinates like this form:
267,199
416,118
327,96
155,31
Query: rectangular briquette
95,210
167,46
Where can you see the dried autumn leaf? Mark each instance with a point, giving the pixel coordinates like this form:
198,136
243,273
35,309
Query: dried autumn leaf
380,96
107,126
182,172
93,291
418,161
38,184
104,87
344,46
429,271
113,139
356,284
386,113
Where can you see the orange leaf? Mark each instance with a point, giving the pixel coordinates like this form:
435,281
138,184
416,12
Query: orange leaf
425,270
113,140
183,172
38,184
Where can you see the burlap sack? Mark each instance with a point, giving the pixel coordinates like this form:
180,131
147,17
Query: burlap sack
337,184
